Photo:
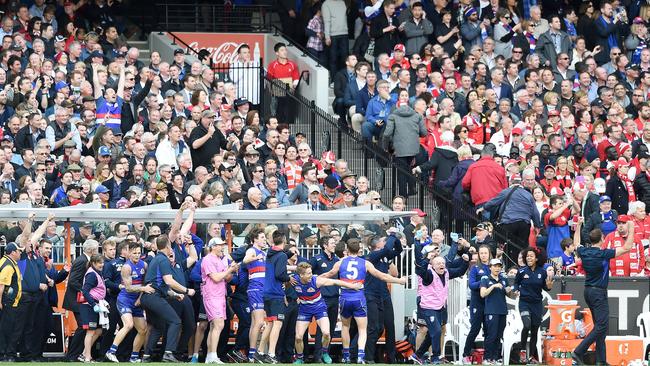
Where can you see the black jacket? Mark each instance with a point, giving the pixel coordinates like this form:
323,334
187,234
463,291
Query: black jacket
24,138
130,109
592,205
593,222
618,193
77,272
384,42
442,161
642,189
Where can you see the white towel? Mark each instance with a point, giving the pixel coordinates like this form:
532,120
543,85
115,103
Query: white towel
103,314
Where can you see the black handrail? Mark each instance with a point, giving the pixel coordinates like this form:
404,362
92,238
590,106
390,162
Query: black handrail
213,17
278,32
175,39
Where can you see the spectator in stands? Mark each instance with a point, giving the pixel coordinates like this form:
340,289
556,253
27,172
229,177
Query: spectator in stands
416,29
384,29
404,125
484,179
377,112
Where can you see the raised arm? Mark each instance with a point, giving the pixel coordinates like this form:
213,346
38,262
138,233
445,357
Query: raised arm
120,83
36,236
174,231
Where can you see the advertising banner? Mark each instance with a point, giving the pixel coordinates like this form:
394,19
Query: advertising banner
223,46
628,297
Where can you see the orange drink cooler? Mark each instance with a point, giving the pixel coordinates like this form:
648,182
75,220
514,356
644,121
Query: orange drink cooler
622,350
562,317
558,352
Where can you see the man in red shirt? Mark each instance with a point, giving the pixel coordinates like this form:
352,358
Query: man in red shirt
398,57
485,178
287,72
630,263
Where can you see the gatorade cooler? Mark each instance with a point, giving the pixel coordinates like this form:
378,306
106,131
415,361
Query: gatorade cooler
477,356
624,350
562,316
558,352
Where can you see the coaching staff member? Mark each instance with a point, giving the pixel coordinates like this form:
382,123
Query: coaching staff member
595,262
160,314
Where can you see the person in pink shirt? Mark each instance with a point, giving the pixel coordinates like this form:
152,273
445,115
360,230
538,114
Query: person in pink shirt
215,274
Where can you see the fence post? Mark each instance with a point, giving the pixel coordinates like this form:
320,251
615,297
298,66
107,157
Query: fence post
339,138
312,123
261,85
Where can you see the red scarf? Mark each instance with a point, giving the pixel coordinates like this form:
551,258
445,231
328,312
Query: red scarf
631,196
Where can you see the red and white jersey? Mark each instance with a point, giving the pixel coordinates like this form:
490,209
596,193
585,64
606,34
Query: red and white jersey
628,264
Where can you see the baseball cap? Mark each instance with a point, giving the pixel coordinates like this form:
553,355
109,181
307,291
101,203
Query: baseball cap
510,162
120,55
73,186
104,151
328,156
605,199
549,167
101,189
314,188
117,131
215,241
638,20
87,224
240,102
12,247
621,162
224,166
60,85
88,98
331,182
178,51
419,212
624,218
7,138
96,54
225,107
554,113
496,262
517,131
59,38
481,226
597,102
399,47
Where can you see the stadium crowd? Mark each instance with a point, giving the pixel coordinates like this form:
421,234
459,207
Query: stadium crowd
518,112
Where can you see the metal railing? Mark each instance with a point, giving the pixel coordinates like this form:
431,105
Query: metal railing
195,16
369,159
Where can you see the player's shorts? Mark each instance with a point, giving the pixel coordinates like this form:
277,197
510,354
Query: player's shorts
275,309
215,307
255,299
89,318
353,307
308,311
127,306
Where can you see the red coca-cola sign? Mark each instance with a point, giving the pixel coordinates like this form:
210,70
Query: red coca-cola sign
223,46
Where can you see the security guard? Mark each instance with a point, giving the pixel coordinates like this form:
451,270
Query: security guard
10,291
595,262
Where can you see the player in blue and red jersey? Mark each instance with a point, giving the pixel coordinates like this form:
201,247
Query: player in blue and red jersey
352,303
311,305
128,304
255,262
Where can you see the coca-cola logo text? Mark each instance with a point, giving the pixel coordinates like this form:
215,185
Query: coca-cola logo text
225,53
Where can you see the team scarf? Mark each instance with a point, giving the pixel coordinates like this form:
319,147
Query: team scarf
631,196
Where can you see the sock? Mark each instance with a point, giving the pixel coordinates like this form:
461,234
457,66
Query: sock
195,355
324,350
299,356
271,355
135,355
346,353
362,354
251,352
113,348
